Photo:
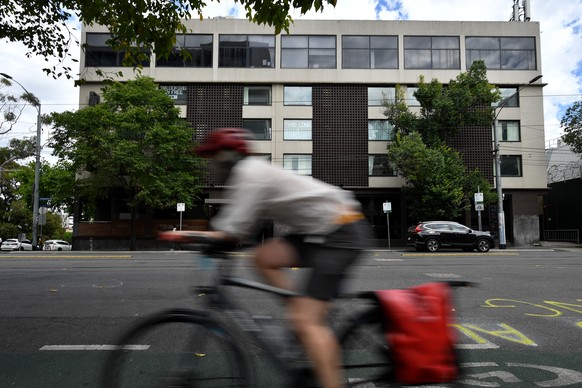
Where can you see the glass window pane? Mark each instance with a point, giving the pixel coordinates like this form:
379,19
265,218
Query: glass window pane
417,42
511,165
410,99
257,95
379,130
482,43
417,59
387,42
490,57
518,60
290,41
356,59
377,94
191,40
321,58
506,93
294,59
301,164
261,128
261,40
93,39
297,129
445,42
384,59
518,44
378,165
445,59
355,42
297,95
509,130
322,42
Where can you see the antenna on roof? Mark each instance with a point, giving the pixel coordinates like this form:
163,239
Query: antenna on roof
521,13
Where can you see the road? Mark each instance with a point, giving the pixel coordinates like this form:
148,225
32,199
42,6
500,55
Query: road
521,327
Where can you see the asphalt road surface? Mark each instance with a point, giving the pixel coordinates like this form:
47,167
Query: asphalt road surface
521,327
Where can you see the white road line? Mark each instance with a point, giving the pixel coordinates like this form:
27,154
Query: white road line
92,347
388,260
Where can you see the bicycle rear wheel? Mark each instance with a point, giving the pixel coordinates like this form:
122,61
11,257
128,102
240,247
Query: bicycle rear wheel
179,348
366,356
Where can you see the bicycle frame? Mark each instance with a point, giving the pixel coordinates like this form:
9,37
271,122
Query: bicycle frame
221,300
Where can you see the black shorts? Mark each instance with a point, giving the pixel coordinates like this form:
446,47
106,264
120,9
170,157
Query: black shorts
329,256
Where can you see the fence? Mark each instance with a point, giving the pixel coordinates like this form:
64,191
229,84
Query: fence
571,235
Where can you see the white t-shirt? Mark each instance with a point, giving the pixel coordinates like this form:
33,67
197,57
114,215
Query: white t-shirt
259,190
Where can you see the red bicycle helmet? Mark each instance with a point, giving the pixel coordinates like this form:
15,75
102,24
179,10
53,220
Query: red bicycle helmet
225,139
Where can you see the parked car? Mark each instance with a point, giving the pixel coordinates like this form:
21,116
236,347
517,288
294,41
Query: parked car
56,245
12,244
432,235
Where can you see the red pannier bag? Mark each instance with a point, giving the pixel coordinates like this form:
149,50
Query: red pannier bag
417,323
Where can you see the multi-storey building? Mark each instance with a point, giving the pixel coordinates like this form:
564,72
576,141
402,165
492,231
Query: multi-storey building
313,99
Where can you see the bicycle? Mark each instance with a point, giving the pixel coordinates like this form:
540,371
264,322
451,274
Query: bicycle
211,354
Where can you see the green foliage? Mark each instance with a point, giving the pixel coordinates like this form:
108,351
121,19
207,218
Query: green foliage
138,26
136,141
53,229
434,177
466,100
437,186
8,230
572,124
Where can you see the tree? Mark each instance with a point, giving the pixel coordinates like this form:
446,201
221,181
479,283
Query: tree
444,110
437,184
434,177
572,124
134,141
137,27
11,106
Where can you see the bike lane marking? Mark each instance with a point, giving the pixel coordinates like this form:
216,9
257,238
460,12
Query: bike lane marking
91,347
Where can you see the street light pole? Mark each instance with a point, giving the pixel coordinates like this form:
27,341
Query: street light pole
35,206
500,212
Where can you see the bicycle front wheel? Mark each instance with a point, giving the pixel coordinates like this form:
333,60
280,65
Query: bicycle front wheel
366,355
179,348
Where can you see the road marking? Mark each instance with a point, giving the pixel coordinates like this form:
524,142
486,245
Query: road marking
388,260
71,256
443,275
463,254
92,347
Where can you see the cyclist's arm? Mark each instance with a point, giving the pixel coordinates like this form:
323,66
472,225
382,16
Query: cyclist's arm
193,236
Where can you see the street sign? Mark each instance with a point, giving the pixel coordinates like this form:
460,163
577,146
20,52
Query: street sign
478,197
181,207
387,207
479,207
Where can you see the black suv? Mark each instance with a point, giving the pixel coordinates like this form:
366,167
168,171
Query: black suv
432,235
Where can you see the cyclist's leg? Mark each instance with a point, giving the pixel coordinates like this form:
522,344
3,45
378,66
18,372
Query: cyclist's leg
271,257
308,316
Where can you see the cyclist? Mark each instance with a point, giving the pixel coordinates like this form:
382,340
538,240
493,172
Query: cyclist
328,234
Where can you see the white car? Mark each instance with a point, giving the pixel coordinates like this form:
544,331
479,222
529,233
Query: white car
56,245
12,244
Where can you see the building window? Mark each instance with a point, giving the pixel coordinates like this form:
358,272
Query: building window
297,95
297,129
511,165
199,48
508,130
308,51
369,52
99,54
502,53
261,128
379,130
510,96
378,165
410,99
257,95
246,51
378,94
432,52
299,163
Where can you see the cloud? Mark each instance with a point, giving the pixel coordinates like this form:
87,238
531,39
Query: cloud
561,43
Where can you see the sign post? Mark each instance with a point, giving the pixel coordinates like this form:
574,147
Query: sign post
387,207
181,209
479,207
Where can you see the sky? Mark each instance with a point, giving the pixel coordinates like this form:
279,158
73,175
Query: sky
561,45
